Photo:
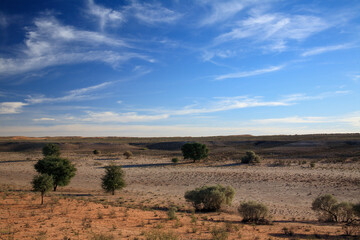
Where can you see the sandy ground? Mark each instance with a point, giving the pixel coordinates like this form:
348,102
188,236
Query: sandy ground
287,191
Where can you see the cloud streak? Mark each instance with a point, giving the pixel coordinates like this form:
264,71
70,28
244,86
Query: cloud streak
320,50
250,73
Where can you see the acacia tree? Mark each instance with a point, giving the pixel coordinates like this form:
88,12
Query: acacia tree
60,169
42,183
51,149
113,179
194,151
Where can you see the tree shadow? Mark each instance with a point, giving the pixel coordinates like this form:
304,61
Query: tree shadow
150,165
15,161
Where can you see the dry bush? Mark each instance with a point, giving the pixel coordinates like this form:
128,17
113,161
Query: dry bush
254,212
210,198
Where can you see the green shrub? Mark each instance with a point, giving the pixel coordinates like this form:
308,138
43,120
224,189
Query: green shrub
252,211
210,198
194,151
128,154
51,149
96,152
219,234
172,213
330,210
250,158
312,164
113,179
175,160
157,235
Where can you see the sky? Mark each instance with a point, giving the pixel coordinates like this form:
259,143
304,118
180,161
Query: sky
179,67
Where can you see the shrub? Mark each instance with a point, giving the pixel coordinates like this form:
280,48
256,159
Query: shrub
96,152
175,160
330,210
219,234
194,151
113,179
172,213
51,149
312,164
210,198
42,183
128,154
61,169
157,235
250,158
252,211
356,208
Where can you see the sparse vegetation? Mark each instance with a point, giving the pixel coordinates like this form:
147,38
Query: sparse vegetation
210,198
219,233
60,169
172,213
330,210
194,151
128,154
113,179
42,183
254,212
250,158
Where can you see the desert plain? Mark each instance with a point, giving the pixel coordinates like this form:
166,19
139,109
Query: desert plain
293,171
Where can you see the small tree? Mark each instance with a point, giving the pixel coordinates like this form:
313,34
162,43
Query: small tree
252,211
42,183
194,151
51,149
210,198
128,154
113,179
250,158
61,169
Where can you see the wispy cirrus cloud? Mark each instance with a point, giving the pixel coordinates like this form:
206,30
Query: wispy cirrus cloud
105,15
152,13
250,73
325,49
11,107
121,117
276,28
222,10
49,43
73,95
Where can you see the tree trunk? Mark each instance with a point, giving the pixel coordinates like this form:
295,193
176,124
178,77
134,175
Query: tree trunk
42,198
113,192
55,186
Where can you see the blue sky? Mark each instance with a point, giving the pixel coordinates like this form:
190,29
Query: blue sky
179,68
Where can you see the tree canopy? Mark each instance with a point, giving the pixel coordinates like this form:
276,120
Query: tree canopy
42,183
194,151
113,179
61,169
51,149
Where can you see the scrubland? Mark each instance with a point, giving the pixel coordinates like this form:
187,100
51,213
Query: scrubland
294,170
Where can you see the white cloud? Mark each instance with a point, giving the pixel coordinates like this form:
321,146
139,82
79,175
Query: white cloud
43,119
101,117
152,13
320,50
352,119
250,73
3,21
222,10
73,95
275,27
304,97
105,15
50,43
11,107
